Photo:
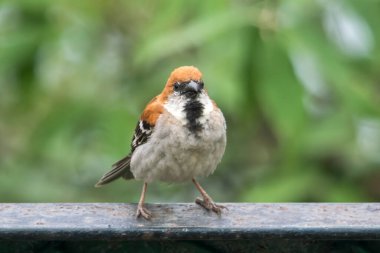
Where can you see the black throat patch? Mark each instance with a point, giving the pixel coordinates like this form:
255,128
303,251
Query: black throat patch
193,109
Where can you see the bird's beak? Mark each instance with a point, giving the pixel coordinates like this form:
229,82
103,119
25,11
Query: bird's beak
194,86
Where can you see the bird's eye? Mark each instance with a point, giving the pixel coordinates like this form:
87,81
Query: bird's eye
176,86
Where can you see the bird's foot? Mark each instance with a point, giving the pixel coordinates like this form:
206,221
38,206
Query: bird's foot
210,205
142,211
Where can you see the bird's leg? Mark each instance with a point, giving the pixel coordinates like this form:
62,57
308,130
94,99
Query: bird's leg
141,210
207,201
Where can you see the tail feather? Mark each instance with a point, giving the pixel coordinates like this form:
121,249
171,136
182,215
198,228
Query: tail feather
119,169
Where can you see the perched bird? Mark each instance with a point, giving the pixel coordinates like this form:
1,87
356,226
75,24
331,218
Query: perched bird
181,135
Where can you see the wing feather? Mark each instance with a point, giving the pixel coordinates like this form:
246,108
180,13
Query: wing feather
143,131
122,167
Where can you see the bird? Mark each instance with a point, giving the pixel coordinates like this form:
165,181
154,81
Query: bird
180,136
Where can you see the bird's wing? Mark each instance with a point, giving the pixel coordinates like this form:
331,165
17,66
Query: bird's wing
143,130
119,169
147,122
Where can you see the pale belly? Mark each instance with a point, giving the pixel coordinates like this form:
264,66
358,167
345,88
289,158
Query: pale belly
175,154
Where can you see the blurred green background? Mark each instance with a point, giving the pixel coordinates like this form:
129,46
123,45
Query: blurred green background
298,82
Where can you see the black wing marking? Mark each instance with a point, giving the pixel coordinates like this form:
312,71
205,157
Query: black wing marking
142,133
122,167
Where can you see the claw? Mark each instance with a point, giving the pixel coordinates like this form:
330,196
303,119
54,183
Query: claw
210,205
142,211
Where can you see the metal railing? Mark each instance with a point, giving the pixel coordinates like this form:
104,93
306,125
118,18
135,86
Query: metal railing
252,224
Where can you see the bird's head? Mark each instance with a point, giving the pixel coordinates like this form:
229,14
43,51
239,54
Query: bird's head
184,81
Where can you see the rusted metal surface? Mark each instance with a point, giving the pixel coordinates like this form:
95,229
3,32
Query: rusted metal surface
186,221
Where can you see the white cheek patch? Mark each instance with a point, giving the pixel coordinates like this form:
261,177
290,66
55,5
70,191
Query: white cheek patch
175,105
206,102
208,107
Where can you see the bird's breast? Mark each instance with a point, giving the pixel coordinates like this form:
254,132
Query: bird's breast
174,153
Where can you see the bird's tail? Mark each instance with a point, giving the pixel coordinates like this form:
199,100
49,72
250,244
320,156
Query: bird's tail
119,169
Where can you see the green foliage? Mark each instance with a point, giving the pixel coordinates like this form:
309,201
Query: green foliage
298,82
